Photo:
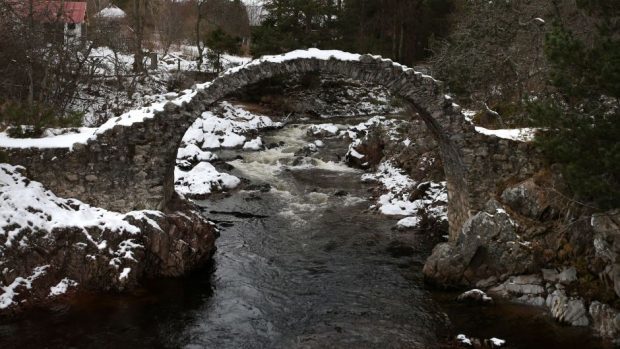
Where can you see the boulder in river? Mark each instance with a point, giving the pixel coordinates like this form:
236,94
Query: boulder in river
474,296
488,245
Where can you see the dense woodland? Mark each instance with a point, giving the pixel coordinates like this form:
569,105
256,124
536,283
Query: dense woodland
522,63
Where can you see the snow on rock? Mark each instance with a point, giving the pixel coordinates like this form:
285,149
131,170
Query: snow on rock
469,342
498,343
255,144
62,287
191,152
462,339
26,204
323,130
469,114
409,222
517,134
10,291
232,140
354,153
85,243
124,274
475,296
203,179
139,115
29,214
398,201
226,128
314,53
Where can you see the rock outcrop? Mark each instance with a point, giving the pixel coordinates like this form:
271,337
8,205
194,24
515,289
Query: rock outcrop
533,246
82,250
488,246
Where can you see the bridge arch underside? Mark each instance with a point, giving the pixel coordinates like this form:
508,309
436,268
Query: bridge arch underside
423,94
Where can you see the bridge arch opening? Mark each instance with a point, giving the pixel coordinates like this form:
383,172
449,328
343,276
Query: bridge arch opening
422,94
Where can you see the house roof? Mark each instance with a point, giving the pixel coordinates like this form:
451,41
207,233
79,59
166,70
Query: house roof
52,11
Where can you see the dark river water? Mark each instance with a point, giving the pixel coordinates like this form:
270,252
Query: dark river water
297,267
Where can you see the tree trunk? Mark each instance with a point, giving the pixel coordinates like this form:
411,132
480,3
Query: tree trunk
198,41
138,64
401,41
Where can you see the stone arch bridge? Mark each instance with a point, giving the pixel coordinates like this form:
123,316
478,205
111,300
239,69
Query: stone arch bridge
128,164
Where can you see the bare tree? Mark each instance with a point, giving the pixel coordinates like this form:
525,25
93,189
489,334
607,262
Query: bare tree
199,44
495,54
38,65
142,17
169,23
256,11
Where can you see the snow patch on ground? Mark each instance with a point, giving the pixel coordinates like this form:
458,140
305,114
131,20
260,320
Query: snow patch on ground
409,222
517,134
58,141
100,102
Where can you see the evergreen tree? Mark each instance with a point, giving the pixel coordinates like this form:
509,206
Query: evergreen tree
219,42
582,118
399,29
295,24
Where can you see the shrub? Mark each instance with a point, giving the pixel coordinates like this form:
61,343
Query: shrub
31,121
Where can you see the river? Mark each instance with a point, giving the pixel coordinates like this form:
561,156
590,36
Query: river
301,263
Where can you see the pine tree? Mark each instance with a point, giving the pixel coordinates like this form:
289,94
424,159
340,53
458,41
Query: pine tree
295,24
582,117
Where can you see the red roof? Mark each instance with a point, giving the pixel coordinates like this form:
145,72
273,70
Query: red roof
51,11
